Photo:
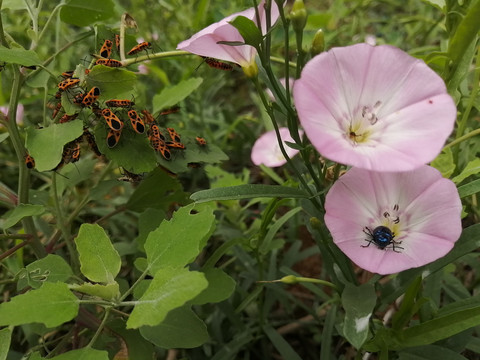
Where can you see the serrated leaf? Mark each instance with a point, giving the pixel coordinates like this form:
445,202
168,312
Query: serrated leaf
358,302
107,292
182,329
21,211
83,354
178,241
99,261
133,151
19,56
86,12
53,304
472,168
52,268
249,31
5,338
173,95
157,191
220,287
112,82
247,191
46,145
444,163
170,288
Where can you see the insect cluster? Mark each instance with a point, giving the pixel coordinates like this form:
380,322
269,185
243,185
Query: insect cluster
114,112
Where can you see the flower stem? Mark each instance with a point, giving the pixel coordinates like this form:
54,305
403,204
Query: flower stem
462,138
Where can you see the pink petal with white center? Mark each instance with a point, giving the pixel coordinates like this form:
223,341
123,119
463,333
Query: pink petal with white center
376,108
420,207
205,42
266,150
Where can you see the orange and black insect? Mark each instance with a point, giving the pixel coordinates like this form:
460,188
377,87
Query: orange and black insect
174,144
170,110
173,135
201,141
106,49
66,118
217,64
119,103
91,97
109,62
78,99
155,133
68,74
117,42
112,120
75,152
160,146
140,47
137,122
130,177
91,141
68,83
113,137
29,161
147,117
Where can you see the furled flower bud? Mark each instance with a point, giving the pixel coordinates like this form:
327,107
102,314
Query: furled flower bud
318,43
298,15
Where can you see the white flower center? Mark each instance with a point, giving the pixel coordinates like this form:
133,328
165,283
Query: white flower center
360,127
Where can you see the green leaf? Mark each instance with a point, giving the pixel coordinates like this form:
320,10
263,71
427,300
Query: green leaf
14,5
358,302
174,94
107,292
220,287
170,288
112,82
472,168
148,221
21,211
181,329
283,347
469,189
86,12
46,145
444,163
5,338
133,151
465,34
265,246
51,268
430,352
157,191
441,327
99,261
138,347
19,56
83,354
177,242
249,31
247,191
439,4
4,137
409,305
53,304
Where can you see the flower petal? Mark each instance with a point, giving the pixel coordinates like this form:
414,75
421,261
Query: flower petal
267,151
424,206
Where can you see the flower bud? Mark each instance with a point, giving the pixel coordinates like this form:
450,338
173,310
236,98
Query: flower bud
251,69
298,15
318,43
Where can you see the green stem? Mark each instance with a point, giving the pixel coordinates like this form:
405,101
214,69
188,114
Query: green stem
160,55
463,138
100,328
49,20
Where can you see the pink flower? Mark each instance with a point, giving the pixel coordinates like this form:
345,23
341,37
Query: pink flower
374,107
387,222
205,42
267,151
283,81
20,111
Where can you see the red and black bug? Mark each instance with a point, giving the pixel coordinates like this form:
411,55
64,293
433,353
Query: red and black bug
66,118
147,117
217,64
170,110
68,83
109,62
29,161
200,141
140,47
91,141
91,97
106,49
137,122
112,120
113,137
123,103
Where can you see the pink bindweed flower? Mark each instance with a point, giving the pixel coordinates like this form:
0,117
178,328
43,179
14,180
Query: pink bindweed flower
283,81
266,149
374,107
387,222
19,115
205,42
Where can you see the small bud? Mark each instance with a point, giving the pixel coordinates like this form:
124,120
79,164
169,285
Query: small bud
298,15
289,279
318,43
251,69
316,223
